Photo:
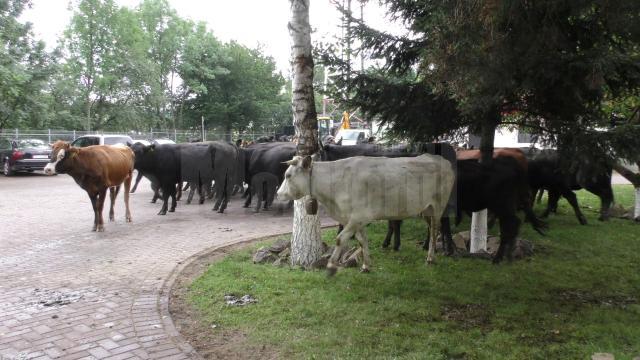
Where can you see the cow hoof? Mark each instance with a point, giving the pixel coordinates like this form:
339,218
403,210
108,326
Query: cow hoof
331,271
153,201
365,270
201,202
101,229
163,212
172,210
496,260
430,261
396,249
603,218
93,228
582,221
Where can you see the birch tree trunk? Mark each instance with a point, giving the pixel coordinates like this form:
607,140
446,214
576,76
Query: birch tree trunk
634,178
478,233
305,239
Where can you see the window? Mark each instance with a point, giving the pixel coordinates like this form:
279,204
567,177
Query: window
524,137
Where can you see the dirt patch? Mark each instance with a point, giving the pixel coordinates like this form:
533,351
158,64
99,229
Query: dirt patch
209,341
467,316
581,297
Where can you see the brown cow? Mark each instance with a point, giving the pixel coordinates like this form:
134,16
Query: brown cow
96,169
517,154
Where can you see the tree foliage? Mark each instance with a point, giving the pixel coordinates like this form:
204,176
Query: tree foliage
117,68
549,66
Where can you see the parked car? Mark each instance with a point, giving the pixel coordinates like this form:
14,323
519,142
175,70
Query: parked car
23,155
351,136
88,140
162,141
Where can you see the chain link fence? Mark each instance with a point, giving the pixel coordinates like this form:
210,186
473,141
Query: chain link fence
179,136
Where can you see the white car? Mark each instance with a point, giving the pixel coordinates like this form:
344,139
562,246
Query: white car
88,140
351,136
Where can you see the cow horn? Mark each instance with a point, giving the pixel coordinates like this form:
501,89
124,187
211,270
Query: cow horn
290,162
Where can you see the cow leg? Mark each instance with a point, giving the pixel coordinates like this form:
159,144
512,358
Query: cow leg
192,189
509,225
113,193
258,195
179,190
156,193
174,200
94,206
435,224
447,241
249,192
361,235
554,196
387,239
265,194
201,191
342,239
539,196
165,200
606,199
396,239
271,196
127,185
101,198
225,196
573,201
135,186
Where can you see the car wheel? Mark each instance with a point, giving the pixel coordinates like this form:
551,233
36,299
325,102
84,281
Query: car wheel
6,168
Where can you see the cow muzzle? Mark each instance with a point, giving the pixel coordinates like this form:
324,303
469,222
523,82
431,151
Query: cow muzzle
50,169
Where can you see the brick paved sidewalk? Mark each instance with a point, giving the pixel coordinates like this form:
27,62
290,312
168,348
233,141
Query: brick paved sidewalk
69,293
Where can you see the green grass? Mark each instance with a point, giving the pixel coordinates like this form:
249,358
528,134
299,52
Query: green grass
578,295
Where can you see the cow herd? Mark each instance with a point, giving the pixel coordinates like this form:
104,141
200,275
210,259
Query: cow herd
355,184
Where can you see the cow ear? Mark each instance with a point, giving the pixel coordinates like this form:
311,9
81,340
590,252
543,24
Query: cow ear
306,162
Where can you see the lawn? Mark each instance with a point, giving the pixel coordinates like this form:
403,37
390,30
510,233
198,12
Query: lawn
578,295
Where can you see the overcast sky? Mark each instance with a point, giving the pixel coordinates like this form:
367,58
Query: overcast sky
250,22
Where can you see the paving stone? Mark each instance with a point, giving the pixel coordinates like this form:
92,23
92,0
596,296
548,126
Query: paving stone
72,293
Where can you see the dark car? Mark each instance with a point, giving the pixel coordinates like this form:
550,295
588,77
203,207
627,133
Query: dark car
23,155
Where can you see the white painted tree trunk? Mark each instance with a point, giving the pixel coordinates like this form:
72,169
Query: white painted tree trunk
636,213
478,232
305,239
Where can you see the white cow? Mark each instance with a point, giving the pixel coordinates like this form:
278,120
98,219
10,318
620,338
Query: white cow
358,190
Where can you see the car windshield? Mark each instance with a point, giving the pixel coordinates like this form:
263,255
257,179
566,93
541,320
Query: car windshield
31,143
350,135
116,140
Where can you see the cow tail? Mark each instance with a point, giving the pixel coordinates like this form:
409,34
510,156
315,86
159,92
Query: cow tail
524,198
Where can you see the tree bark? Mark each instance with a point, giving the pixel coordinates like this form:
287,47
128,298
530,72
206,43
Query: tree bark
633,179
305,239
478,234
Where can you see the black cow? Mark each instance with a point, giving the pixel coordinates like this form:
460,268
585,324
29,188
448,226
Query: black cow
498,187
263,187
267,157
161,164
196,165
547,171
225,172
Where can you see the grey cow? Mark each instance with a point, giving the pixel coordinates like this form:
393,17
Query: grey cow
358,190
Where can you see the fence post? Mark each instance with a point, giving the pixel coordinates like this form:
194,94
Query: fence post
175,135
74,135
49,136
17,134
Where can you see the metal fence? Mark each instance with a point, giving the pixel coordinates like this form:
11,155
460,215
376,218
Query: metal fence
179,136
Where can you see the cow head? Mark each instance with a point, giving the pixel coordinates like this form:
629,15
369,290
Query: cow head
297,179
61,152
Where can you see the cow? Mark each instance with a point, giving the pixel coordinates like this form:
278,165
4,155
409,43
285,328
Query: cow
161,165
358,190
548,172
96,169
225,172
264,186
196,168
501,187
267,157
